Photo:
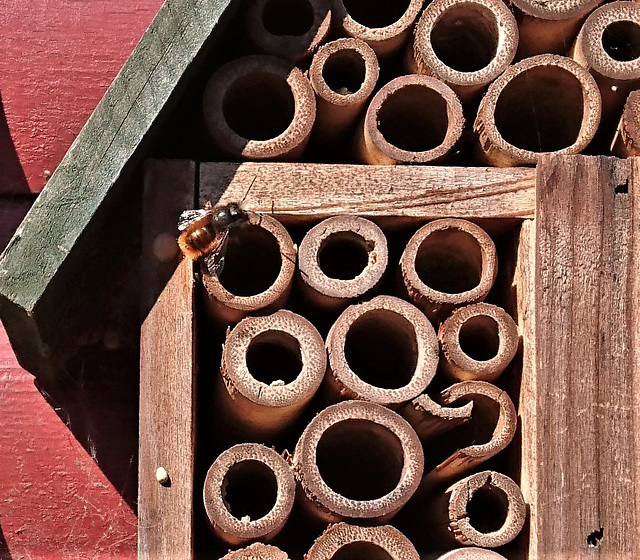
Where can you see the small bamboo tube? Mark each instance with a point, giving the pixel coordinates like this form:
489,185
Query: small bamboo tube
446,264
257,551
626,142
259,107
352,541
357,460
343,74
544,104
257,274
430,419
248,494
412,119
385,26
341,259
484,510
550,27
383,351
271,368
292,30
471,553
465,44
478,342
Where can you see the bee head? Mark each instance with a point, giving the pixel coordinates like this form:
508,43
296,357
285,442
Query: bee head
236,213
229,215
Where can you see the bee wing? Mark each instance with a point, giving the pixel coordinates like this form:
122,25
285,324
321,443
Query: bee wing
214,261
188,217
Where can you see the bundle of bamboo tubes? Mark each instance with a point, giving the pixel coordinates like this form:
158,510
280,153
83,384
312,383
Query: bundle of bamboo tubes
465,82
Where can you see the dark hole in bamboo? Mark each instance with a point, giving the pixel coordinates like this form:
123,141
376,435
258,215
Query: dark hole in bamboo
479,338
380,349
449,261
249,488
487,509
259,106
465,39
414,118
252,261
359,459
343,255
287,17
376,13
361,551
344,71
274,356
541,110
621,40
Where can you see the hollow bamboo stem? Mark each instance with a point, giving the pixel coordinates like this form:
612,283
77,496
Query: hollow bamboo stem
471,553
430,419
257,551
626,142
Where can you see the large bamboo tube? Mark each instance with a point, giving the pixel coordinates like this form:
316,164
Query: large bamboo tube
383,351
357,460
257,274
257,551
342,541
341,259
471,553
412,119
466,44
291,29
550,27
343,75
259,107
446,264
385,26
248,494
478,342
271,368
543,104
626,142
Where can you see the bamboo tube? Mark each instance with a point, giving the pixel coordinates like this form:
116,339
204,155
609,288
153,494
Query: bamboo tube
446,264
544,104
343,74
608,45
383,351
342,541
248,494
412,119
430,419
496,414
259,107
271,368
357,460
292,30
478,342
257,273
471,553
485,510
341,259
466,44
626,142
385,26
550,27
257,551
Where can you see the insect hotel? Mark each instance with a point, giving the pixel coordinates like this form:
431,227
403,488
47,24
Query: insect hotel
375,265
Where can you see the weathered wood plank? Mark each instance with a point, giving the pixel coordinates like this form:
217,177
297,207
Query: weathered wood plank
587,344
306,192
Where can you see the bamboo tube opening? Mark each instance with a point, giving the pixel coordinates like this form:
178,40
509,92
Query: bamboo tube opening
343,255
257,551
479,338
471,553
287,17
344,71
361,551
376,13
249,489
274,356
487,509
621,40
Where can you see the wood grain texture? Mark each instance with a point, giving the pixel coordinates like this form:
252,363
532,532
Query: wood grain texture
306,192
587,302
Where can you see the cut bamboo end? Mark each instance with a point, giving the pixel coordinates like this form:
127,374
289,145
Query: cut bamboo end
383,351
412,119
289,29
471,553
257,551
465,44
271,366
341,259
259,107
544,104
342,541
429,418
248,493
485,510
257,273
358,460
385,26
343,74
446,264
627,140
478,342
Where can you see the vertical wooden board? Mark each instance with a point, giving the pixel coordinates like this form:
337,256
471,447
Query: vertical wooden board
587,376
167,368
